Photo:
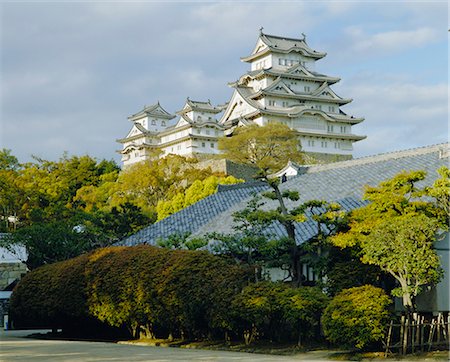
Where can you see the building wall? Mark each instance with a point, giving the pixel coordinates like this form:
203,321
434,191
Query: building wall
437,298
10,272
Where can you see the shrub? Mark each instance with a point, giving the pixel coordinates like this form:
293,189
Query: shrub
357,317
158,291
51,296
278,311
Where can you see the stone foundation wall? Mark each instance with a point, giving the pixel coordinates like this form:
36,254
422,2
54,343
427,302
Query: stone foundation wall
9,272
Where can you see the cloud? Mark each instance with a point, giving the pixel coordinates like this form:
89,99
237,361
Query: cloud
391,41
398,115
72,72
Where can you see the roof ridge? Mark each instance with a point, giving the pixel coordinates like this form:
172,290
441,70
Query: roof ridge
222,188
381,157
283,37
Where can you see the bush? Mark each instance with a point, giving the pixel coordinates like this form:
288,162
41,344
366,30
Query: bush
144,288
51,296
357,317
278,311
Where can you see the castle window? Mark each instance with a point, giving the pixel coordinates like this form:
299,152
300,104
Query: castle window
272,102
203,144
311,143
285,104
163,123
330,128
307,88
324,144
331,108
153,122
336,145
318,106
212,145
343,129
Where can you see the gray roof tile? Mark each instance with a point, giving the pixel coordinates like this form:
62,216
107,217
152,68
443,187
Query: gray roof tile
341,182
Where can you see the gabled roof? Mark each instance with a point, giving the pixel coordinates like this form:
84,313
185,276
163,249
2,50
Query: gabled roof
342,182
325,91
136,132
191,105
154,110
248,94
271,43
298,72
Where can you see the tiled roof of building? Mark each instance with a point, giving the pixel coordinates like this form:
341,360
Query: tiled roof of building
190,219
342,182
282,44
199,106
155,110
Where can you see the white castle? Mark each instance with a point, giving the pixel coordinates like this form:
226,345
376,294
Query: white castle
281,86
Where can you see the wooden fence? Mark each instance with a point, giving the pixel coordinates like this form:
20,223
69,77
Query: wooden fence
417,334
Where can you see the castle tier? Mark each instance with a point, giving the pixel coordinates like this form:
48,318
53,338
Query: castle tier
282,86
195,132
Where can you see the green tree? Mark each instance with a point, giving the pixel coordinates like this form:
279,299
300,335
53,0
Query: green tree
11,196
195,192
440,191
277,311
396,232
269,148
357,317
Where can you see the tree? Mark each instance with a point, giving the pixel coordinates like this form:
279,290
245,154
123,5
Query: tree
182,241
269,148
396,232
195,192
440,191
356,317
277,311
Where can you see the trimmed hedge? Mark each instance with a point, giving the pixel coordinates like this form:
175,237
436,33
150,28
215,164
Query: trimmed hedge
52,296
357,317
145,289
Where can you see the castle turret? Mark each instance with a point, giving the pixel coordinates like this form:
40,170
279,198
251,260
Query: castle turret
283,86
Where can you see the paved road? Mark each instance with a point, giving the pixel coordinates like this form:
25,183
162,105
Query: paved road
14,347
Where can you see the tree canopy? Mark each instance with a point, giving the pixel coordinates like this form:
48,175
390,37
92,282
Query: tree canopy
396,231
268,148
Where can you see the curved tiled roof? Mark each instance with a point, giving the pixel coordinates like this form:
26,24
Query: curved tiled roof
195,216
342,182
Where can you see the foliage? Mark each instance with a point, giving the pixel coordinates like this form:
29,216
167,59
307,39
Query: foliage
356,317
46,200
344,270
52,296
440,191
403,247
278,311
268,148
396,232
197,191
182,241
149,290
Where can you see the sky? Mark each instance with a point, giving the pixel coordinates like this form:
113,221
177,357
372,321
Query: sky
72,72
